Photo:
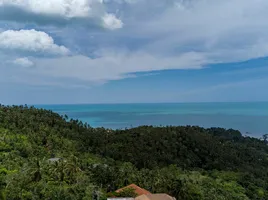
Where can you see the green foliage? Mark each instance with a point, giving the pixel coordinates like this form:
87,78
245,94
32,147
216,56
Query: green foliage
45,156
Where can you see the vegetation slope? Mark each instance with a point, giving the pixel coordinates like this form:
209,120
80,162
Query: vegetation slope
47,156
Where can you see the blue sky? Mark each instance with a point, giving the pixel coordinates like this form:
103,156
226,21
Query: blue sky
126,51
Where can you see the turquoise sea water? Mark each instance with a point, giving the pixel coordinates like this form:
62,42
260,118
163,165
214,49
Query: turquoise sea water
249,118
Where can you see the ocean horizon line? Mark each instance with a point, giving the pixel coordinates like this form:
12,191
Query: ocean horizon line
140,103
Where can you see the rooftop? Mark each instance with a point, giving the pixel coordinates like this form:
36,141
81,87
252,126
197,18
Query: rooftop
155,197
137,189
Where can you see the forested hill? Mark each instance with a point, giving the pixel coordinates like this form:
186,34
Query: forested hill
47,156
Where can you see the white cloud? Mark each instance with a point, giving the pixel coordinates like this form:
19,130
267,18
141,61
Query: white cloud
64,8
30,41
111,22
57,12
24,62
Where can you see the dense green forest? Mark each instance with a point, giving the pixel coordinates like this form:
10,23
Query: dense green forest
48,156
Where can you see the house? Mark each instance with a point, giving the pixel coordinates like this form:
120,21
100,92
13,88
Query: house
139,191
136,189
155,197
142,194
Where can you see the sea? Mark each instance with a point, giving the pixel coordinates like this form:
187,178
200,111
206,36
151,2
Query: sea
251,118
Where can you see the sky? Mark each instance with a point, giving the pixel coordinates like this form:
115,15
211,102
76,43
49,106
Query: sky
133,51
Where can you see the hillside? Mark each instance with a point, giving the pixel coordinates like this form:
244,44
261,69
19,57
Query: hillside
47,156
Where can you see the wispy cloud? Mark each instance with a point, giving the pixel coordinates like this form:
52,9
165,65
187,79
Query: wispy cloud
24,62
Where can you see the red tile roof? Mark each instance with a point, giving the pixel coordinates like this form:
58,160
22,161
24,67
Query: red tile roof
137,189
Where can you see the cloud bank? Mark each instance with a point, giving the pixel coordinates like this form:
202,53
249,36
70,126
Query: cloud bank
59,12
157,35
